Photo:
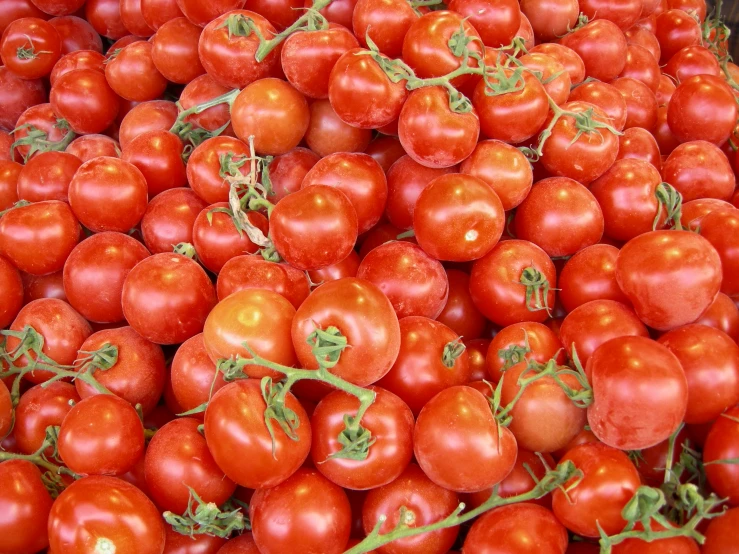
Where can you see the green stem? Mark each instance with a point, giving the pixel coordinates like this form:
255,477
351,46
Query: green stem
305,21
180,127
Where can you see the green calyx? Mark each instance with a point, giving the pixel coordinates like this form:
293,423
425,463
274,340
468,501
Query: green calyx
537,290
206,518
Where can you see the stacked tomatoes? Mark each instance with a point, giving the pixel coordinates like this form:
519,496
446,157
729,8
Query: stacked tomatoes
394,276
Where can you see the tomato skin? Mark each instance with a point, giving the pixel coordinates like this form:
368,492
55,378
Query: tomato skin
650,262
154,115
177,458
675,30
17,95
46,176
607,97
108,179
35,34
201,14
722,443
327,133
175,543
463,416
286,172
548,19
169,219
105,512
42,117
495,282
639,144
234,428
9,172
159,313
609,481
388,419
240,544
38,238
95,271
12,298
88,147
543,343
427,501
406,178
193,374
158,155
101,435
88,88
105,18
133,75
204,165
414,282
720,535
40,407
641,103
260,318
494,31
374,346
558,87
175,51
345,268
386,22
318,521
570,59
26,505
624,373
602,47
693,99
254,272
359,177
723,315
419,373
431,133
590,275
45,286
699,169
517,529
274,113
460,313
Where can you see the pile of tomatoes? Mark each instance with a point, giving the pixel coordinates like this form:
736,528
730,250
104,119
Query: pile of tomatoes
393,276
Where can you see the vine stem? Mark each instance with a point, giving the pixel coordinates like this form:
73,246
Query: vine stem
266,46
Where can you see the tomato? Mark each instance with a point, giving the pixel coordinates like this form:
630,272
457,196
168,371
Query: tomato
693,99
262,320
329,214
160,313
47,176
676,545
254,272
76,34
169,219
608,482
460,313
624,373
39,237
666,139
105,18
590,275
30,47
17,95
327,133
133,19
12,299
496,283
155,115
405,181
7,414
41,407
94,273
40,117
589,156
426,502
665,90
553,73
388,419
345,268
363,314
175,51
414,282
286,172
176,543
36,287
26,505
602,47
720,538
542,343
692,61
240,544
158,155
550,20
699,169
607,97
658,261
427,362
235,428
570,59
517,529
639,144
431,133
723,315
641,103
386,22
721,446
274,113
193,374
644,38
9,172
694,211
201,14
359,177
307,509
494,31
88,147
18,9
230,58
386,150
623,14
458,218
132,73
101,435
101,513
676,30
204,166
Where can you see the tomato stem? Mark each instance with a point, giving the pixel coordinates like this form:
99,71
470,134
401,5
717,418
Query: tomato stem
206,518
38,140
311,20
452,351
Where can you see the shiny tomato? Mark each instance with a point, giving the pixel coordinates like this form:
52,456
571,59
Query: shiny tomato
675,30
386,22
193,374
722,445
9,172
132,74
720,534
720,228
327,133
26,504
693,100
699,169
641,64
460,313
40,407
175,51
286,172
46,176
155,115
85,100
602,47
158,155
169,219
12,287
30,47
570,59
202,89
550,20
507,347
590,275
204,167
723,314
254,272
88,147
606,97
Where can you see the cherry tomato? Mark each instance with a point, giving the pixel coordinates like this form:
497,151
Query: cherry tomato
506,348
175,51
641,64
254,272
158,155
590,275
204,167
41,407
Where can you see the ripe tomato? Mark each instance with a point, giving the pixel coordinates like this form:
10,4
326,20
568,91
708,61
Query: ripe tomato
176,543
497,288
105,513
40,117
388,419
26,505
720,228
722,444
327,133
699,169
76,34
386,22
30,47
460,313
693,100
132,73
641,64
720,537
641,103
608,482
281,13
169,219
462,415
88,147
193,374
542,343
158,155
39,237
262,320
40,407
254,272
345,268
12,299
624,373
105,18
557,80
723,314
160,313
204,167
590,275
425,502
202,89
85,100
175,51
414,282
606,97
36,287
9,172
517,529
602,47
46,176
155,115
570,59
235,428
101,435
623,14
287,172
675,30
363,314
679,261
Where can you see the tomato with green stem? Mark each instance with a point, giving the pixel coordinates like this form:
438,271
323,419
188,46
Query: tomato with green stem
30,47
570,59
38,408
235,427
286,172
169,219
200,90
385,23
39,128
46,176
254,272
85,100
606,97
205,167
602,47
518,342
699,169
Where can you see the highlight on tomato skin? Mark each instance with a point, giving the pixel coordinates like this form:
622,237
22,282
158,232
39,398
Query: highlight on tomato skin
369,276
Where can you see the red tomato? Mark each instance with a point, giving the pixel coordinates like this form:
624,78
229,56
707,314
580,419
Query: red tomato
692,61
555,78
722,445
506,348
699,169
641,103
639,144
286,172
639,36
193,374
606,97
46,176
76,34
133,75
9,172
345,268
386,151
155,115
30,47
623,14
40,117
45,286
235,429
570,59
254,272
693,101
723,315
105,18
675,30
160,313
202,89
176,543
460,313
602,47
327,133
386,22
12,299
169,219
204,167
590,275
26,505
550,20
720,535
462,415
102,513
40,407
158,155
679,261
175,51
624,373
608,482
